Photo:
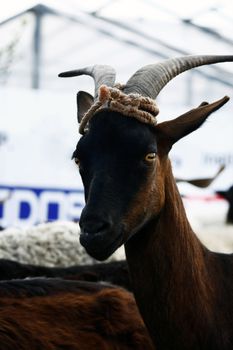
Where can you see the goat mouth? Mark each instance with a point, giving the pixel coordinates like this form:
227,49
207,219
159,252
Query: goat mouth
102,250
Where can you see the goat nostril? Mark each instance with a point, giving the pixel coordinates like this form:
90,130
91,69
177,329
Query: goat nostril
85,237
92,228
93,231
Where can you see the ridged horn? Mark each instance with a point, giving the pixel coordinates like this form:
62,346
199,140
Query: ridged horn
150,80
102,75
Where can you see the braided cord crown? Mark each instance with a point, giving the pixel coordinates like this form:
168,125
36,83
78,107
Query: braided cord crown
114,99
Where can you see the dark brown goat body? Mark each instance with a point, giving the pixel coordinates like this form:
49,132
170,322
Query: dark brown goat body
114,272
51,314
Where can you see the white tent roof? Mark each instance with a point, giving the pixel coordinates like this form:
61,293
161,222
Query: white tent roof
124,34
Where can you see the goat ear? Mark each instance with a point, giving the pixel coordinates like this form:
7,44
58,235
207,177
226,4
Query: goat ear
173,130
84,102
204,182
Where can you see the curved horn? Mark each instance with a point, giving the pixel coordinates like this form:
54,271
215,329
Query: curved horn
102,75
150,80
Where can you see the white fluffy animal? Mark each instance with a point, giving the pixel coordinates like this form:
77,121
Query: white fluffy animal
49,244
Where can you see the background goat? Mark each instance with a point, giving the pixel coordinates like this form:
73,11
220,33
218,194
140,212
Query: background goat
56,314
114,272
228,196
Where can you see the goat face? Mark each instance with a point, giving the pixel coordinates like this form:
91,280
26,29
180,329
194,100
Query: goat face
119,157
118,160
123,164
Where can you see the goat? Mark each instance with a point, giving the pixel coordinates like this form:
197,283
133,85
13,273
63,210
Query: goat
114,272
184,291
55,314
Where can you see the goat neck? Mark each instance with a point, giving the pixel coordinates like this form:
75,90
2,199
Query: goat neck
168,267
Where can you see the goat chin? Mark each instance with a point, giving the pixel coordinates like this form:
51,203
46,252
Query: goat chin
49,244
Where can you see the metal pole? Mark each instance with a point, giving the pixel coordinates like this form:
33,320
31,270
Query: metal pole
36,59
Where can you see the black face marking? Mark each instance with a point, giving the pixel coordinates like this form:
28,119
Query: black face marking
113,169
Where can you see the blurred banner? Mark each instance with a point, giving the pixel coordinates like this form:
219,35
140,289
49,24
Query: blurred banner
38,134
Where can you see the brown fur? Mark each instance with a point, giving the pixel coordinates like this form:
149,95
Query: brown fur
114,272
99,319
189,292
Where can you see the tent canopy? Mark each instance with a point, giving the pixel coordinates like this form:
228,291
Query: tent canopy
48,38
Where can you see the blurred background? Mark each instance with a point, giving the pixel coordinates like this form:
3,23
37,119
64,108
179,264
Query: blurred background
38,129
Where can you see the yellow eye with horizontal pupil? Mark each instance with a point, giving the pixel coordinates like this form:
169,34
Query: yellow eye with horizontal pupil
150,157
77,161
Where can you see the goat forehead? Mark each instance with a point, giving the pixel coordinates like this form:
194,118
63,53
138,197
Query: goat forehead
117,133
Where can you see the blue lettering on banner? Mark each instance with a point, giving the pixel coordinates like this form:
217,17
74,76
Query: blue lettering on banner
24,206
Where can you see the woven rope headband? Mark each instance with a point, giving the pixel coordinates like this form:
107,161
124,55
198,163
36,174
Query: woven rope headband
136,106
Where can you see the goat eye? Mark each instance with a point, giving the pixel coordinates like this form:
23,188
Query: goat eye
150,157
77,161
